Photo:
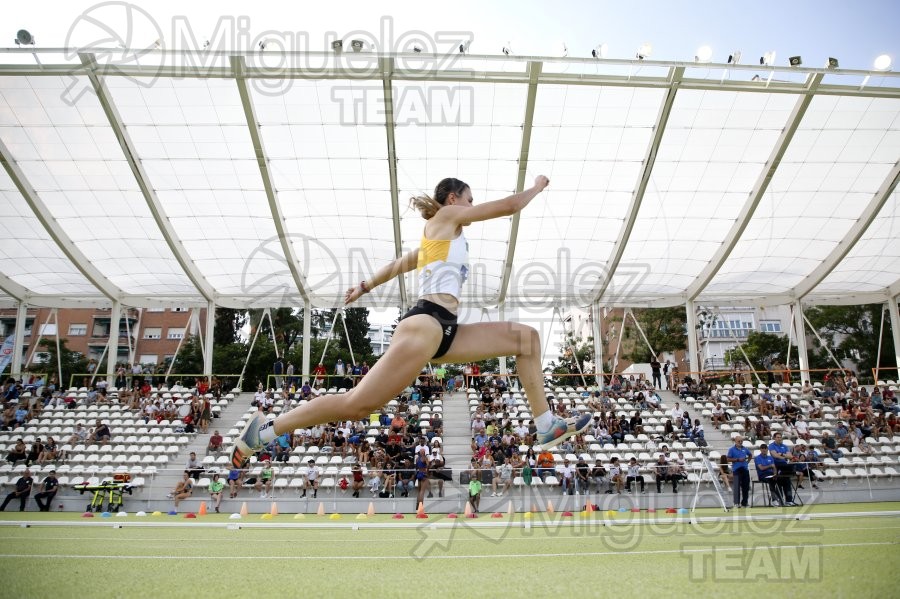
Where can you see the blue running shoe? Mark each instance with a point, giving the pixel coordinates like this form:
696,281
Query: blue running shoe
248,442
562,429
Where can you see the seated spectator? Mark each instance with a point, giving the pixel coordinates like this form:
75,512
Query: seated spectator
599,477
34,452
725,474
405,478
49,451
567,478
806,459
193,467
21,492
357,480
215,443
615,474
235,478
18,453
215,491
264,483
634,474
830,446
312,479
183,490
101,434
801,429
697,435
49,487
545,464
719,416
765,472
662,474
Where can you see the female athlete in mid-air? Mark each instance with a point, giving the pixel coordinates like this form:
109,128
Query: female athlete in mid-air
429,330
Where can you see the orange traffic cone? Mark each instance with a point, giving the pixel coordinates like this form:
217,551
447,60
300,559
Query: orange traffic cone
244,510
549,506
468,511
590,506
202,510
321,510
274,509
371,511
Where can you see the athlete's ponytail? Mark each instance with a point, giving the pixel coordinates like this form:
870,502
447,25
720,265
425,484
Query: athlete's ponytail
428,206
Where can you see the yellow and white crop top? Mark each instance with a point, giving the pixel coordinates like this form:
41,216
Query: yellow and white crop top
443,265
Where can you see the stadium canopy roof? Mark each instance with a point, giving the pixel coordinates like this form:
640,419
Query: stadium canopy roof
271,179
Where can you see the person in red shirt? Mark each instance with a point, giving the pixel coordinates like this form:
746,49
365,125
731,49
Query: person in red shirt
319,374
476,372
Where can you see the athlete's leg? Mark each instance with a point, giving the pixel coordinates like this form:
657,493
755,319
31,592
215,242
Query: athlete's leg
476,342
414,342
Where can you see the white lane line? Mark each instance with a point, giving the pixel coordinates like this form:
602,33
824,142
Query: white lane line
812,530
413,557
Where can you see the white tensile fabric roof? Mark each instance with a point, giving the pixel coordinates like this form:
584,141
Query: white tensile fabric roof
178,179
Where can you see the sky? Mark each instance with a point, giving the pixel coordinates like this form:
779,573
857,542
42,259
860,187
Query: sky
853,32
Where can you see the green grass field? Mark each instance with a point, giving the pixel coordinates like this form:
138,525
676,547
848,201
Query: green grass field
661,555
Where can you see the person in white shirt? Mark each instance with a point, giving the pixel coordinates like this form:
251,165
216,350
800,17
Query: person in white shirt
676,413
312,478
568,477
634,474
718,416
503,479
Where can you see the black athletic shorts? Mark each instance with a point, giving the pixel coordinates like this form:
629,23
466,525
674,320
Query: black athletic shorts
445,318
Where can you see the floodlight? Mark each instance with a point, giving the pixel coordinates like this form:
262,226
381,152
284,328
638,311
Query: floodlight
205,44
795,61
882,63
563,49
507,49
768,58
832,63
704,54
357,45
24,38
644,50
337,45
417,48
464,47
262,44
734,57
600,51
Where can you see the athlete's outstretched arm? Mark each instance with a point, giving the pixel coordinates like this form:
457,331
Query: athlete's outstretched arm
394,268
496,209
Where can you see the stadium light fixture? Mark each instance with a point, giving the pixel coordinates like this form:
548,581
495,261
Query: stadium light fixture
768,58
600,51
795,61
262,44
644,50
507,49
24,38
464,47
704,54
883,63
734,57
417,48
832,63
357,45
563,49
337,46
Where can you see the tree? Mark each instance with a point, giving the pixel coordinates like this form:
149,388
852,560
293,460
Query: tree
357,320
288,326
763,349
665,329
229,323
851,332
565,369
72,361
